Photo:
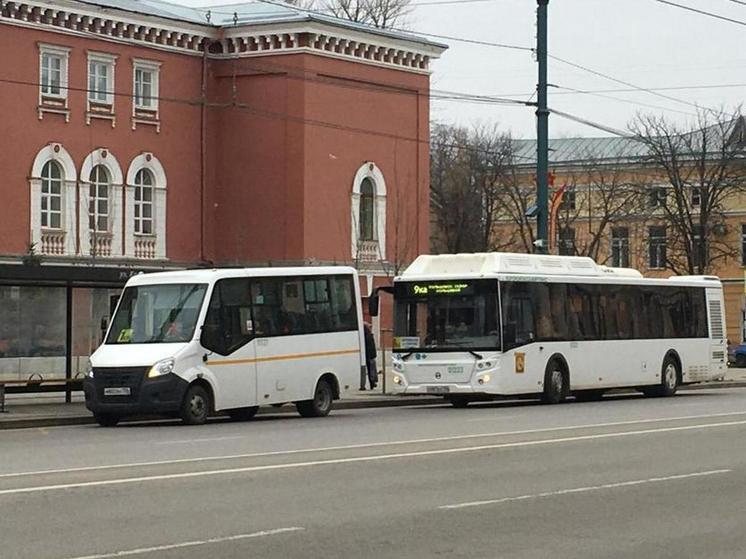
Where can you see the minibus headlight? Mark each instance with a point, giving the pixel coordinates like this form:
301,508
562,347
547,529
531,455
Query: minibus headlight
161,368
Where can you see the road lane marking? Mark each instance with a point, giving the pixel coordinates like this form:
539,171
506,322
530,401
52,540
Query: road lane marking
374,458
582,490
167,547
361,445
204,440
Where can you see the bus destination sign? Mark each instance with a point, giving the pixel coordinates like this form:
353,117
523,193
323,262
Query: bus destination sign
441,288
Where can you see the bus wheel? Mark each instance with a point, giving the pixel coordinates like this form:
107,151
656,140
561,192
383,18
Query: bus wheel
106,419
555,384
196,406
243,414
321,404
669,379
459,401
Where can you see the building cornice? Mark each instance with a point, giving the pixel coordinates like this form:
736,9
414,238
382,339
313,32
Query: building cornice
249,40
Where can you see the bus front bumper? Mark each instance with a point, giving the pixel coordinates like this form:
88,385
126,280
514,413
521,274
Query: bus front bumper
133,393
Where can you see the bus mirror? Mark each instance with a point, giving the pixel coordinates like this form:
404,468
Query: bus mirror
373,305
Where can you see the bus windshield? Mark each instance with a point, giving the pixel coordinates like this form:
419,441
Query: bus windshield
159,313
453,315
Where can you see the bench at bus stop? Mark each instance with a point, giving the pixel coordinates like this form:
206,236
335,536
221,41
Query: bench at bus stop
37,384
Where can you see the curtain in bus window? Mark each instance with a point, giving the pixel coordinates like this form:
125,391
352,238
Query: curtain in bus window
582,316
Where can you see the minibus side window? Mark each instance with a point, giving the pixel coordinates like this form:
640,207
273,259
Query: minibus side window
228,324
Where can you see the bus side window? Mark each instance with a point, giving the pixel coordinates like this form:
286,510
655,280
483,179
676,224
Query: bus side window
519,317
228,324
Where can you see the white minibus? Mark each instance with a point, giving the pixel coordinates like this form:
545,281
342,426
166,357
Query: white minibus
194,342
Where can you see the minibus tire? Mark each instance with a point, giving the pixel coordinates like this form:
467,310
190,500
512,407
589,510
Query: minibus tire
321,404
196,406
243,414
106,419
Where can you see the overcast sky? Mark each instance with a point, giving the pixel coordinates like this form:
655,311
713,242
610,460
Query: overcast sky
643,42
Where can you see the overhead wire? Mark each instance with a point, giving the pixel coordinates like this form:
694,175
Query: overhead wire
702,12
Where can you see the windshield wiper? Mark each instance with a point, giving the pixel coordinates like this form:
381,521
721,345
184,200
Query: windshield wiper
407,355
475,354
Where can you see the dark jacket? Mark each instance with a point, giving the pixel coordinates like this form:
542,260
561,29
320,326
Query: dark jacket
370,344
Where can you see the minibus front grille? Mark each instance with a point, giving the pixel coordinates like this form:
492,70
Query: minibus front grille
119,377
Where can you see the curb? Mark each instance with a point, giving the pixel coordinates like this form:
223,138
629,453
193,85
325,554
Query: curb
388,402
87,419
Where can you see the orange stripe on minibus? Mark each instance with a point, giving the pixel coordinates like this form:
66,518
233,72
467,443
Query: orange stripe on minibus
283,357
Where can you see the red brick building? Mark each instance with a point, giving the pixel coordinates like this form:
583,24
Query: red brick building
141,135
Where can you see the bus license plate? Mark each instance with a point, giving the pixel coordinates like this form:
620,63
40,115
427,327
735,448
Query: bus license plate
117,391
438,389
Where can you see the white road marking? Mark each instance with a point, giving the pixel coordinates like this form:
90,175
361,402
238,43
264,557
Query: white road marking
143,550
582,490
363,445
203,440
374,458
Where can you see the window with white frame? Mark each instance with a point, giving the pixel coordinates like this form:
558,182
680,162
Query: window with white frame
144,202
620,247
53,68
657,196
51,195
98,202
696,196
145,81
367,210
101,78
657,247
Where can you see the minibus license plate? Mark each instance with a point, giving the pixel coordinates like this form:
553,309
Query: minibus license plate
438,389
117,391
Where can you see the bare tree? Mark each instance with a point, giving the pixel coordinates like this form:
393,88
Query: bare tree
703,168
600,194
467,169
378,13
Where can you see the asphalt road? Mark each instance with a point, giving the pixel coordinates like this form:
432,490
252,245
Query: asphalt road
627,477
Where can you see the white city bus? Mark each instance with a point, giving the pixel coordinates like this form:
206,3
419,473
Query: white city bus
189,343
473,326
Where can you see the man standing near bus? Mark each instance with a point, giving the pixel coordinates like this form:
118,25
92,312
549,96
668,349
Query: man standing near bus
370,359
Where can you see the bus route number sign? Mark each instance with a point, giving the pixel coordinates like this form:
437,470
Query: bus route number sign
441,288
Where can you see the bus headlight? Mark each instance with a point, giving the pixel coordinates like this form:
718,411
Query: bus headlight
397,379
161,368
484,379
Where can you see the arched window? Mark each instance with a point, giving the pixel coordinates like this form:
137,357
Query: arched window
98,202
367,210
144,202
51,195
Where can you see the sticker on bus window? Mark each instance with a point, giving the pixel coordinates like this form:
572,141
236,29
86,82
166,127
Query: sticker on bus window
520,362
405,342
125,336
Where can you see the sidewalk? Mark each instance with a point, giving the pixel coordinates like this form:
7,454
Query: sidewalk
22,411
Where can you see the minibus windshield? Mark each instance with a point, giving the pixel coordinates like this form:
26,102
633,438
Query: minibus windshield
159,313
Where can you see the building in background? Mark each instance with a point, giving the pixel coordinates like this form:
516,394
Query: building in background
146,135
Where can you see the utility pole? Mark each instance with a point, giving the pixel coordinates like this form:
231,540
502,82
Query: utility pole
542,132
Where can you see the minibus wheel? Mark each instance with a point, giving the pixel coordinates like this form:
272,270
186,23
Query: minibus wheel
321,404
106,419
196,406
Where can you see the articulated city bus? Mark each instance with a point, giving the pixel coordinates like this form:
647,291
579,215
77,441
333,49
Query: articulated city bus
192,342
472,326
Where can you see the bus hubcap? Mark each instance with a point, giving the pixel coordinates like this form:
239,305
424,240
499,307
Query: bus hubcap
197,406
557,381
670,376
322,398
